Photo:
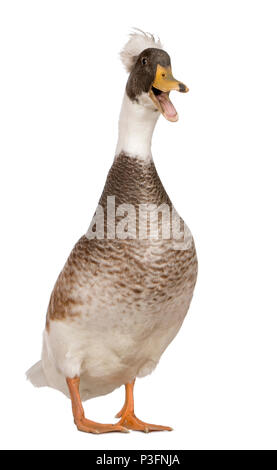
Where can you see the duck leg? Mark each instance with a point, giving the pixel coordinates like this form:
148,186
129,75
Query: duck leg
127,399
128,417
82,423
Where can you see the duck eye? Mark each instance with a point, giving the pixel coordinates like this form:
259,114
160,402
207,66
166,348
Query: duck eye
144,61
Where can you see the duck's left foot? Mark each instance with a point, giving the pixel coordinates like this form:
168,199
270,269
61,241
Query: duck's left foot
128,418
130,421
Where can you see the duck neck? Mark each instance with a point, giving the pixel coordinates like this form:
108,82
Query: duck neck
135,130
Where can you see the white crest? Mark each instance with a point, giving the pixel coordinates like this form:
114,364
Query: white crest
137,43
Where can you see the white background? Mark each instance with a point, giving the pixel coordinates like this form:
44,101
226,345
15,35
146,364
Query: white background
61,86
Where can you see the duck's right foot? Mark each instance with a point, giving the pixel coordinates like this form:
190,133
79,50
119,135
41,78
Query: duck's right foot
82,423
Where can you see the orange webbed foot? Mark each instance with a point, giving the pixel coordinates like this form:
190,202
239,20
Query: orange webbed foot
128,418
82,423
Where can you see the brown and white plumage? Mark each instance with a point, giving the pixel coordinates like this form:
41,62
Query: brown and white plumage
118,303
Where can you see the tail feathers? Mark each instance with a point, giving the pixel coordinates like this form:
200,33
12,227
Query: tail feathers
36,375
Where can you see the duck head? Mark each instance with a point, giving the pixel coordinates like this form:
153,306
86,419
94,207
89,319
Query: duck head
150,81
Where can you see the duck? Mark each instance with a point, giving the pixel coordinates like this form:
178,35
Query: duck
127,285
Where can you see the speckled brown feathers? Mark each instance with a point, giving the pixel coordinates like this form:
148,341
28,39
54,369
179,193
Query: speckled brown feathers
137,276
126,287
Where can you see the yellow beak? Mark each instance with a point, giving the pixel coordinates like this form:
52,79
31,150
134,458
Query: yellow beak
164,81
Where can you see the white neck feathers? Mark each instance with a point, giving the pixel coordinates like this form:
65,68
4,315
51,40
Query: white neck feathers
136,126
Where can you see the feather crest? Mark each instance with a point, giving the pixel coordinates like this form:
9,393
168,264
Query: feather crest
139,40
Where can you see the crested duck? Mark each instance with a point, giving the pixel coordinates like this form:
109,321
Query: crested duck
127,285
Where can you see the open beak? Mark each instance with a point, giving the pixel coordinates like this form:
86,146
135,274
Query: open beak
159,92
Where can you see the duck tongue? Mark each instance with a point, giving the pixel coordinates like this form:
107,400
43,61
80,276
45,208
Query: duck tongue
167,107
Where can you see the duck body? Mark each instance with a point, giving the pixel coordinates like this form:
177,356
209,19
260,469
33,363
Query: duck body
127,285
117,304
